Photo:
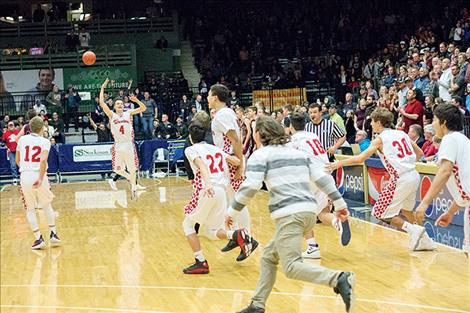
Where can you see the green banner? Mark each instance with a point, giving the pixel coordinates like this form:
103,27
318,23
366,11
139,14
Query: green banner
91,78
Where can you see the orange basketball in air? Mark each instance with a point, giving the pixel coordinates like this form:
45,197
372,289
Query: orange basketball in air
89,58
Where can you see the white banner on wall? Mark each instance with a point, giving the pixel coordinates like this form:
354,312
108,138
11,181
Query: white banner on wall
33,80
92,153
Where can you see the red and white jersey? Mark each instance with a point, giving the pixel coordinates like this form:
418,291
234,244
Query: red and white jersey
397,153
215,160
455,147
31,147
121,127
225,119
310,144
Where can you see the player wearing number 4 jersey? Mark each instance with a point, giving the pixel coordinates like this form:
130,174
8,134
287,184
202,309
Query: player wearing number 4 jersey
310,144
208,203
124,154
399,155
31,157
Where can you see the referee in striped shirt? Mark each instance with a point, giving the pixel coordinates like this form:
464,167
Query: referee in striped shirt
331,136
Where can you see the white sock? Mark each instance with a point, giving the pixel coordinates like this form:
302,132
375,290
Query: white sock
407,226
32,220
50,215
199,256
312,242
230,234
244,219
37,234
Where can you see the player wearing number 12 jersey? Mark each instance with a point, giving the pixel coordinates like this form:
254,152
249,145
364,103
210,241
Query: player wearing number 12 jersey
399,155
124,154
208,203
31,157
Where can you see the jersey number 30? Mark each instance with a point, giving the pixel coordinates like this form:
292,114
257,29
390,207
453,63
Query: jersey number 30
212,166
36,154
403,148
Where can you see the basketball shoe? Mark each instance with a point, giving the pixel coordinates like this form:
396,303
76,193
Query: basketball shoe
246,243
252,309
426,244
38,244
112,184
231,244
197,268
54,240
416,232
344,230
345,288
312,252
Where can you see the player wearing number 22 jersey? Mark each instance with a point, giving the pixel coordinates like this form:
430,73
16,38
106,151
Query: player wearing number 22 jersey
208,203
124,155
399,155
31,157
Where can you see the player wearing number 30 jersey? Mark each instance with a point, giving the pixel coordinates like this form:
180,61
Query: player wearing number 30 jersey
31,157
399,155
124,154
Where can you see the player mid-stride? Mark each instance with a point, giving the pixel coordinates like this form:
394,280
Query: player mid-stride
124,154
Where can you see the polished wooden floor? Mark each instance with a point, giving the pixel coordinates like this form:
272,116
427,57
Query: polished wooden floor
121,255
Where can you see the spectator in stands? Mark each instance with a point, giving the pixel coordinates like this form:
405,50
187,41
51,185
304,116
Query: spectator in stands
402,91
103,132
467,96
71,40
422,82
54,101
416,134
4,122
197,103
58,126
148,115
458,102
72,99
6,99
181,128
413,112
286,113
456,83
370,90
191,114
335,117
38,14
445,80
167,128
162,43
362,140
84,38
234,100
9,137
433,89
361,114
351,127
39,107
184,106
390,78
428,148
349,103
49,130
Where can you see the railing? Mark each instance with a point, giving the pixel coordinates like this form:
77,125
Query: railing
95,26
112,55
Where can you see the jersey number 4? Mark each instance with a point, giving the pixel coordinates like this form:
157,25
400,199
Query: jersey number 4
121,129
212,166
36,154
402,147
316,146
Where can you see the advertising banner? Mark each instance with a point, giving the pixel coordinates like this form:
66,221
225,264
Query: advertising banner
92,153
350,181
280,97
91,78
40,80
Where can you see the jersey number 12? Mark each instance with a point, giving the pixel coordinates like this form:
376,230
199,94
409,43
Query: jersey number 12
35,157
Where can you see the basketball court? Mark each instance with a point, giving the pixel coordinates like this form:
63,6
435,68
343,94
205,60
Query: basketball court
120,255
